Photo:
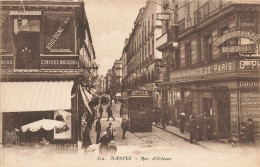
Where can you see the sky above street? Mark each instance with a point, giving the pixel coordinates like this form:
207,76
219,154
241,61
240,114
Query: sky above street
110,21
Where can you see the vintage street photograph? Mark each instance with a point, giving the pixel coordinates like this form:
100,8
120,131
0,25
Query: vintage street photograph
122,83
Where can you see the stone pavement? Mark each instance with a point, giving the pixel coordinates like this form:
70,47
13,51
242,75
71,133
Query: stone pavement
214,145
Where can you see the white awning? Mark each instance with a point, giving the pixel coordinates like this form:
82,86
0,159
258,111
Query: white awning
85,99
35,96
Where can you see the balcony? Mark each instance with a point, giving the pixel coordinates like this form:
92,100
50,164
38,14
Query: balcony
184,23
209,9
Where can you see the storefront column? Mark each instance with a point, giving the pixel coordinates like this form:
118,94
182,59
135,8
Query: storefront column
1,128
234,114
195,102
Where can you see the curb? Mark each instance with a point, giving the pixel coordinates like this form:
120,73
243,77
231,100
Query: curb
184,138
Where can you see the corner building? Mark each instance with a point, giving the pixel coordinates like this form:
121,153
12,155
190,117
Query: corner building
46,49
216,65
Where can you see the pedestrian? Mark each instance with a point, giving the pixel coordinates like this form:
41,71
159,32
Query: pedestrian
182,121
124,126
100,111
209,127
86,137
103,148
111,131
200,125
109,113
250,131
121,110
98,129
192,128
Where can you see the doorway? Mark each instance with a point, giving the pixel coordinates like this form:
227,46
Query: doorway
223,107
27,50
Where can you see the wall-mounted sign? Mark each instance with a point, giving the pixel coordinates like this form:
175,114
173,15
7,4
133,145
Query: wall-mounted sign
163,16
59,62
250,48
249,64
237,34
211,69
57,34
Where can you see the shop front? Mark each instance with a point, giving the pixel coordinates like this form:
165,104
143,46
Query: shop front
227,91
39,109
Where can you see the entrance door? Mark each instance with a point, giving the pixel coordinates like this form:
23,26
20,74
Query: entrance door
207,106
223,108
27,47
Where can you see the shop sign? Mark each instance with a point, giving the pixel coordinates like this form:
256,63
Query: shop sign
57,34
249,83
211,69
59,62
249,64
250,48
6,62
237,34
138,92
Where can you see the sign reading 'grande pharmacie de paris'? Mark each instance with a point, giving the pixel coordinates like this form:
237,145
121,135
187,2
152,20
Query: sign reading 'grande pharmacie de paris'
57,34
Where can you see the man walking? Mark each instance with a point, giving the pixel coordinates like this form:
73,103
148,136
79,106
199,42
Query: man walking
250,129
182,121
100,111
98,129
192,128
109,113
124,126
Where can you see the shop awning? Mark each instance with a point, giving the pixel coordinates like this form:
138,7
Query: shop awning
35,96
85,99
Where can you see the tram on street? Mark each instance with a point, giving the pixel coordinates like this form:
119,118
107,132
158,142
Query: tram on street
140,107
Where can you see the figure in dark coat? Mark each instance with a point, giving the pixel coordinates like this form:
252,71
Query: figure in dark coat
209,127
111,131
182,122
103,148
109,113
124,126
100,111
98,129
250,129
86,138
200,126
192,128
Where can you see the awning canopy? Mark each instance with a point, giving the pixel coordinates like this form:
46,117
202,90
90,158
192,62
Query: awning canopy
85,99
35,96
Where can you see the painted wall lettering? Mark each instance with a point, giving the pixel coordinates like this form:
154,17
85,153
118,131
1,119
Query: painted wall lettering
57,34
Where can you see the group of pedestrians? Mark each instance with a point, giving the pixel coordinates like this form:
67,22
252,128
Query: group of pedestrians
107,140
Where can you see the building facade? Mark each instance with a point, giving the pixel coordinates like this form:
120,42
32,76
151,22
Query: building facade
214,64
143,59
46,53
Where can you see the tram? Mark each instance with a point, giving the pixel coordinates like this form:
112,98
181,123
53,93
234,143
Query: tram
140,107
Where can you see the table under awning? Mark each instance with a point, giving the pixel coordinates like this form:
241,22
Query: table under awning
35,96
85,98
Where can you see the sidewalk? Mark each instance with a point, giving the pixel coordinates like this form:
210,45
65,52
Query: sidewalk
213,145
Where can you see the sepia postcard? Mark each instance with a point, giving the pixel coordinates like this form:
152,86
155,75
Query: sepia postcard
145,83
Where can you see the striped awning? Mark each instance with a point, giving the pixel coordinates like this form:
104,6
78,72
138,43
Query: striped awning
35,96
85,98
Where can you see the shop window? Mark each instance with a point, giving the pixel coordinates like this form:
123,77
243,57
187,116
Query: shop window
59,34
3,35
208,47
188,54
